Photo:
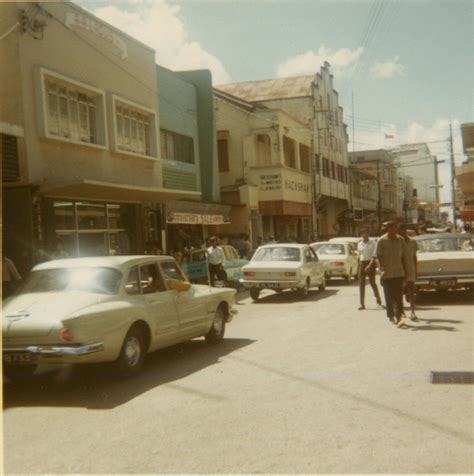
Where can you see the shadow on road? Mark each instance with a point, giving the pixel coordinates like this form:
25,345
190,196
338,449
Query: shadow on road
292,296
95,387
450,298
428,328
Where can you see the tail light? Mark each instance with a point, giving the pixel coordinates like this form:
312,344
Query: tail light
66,335
338,263
287,274
249,274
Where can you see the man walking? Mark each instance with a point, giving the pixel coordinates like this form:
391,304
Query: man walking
215,256
367,267
391,251
410,276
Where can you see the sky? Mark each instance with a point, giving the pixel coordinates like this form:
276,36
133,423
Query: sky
409,64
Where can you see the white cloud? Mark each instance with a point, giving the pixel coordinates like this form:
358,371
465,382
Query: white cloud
341,61
387,70
158,25
369,137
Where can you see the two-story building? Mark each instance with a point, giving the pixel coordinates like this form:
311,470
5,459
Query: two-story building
465,175
79,129
265,170
312,101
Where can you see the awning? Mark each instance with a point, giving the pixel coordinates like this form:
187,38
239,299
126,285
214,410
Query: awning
116,192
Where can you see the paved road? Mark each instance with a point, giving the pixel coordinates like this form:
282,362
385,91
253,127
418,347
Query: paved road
313,387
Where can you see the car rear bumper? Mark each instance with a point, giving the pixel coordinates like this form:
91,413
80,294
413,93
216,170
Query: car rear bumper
445,282
52,354
267,284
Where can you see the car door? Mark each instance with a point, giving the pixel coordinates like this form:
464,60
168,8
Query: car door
318,267
190,304
160,305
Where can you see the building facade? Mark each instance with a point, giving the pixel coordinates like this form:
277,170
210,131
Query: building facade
80,138
465,175
265,170
313,101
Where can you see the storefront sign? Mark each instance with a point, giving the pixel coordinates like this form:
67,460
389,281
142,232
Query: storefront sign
270,182
296,186
197,213
77,21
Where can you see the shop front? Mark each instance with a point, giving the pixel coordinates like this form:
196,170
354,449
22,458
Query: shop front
190,223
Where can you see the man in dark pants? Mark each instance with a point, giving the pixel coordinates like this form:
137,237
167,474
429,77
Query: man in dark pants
392,256
215,257
366,249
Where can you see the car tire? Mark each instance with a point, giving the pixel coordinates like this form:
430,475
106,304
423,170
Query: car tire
304,291
322,286
19,372
132,356
254,293
217,330
347,278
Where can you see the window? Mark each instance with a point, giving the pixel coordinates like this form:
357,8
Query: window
73,112
176,147
150,279
308,257
304,158
132,285
264,153
340,173
133,130
172,272
9,158
223,155
326,167
289,152
333,170
317,163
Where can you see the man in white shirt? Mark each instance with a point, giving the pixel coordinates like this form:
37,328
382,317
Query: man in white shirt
367,267
215,257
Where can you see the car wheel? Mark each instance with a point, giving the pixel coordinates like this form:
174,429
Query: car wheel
254,293
217,330
19,372
347,278
304,291
322,286
132,355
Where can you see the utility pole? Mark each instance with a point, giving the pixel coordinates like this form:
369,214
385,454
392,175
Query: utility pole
453,173
379,201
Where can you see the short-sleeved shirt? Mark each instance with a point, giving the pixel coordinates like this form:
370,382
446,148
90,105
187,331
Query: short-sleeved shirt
366,250
392,256
215,255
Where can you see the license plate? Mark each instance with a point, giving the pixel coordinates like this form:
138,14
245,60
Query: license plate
269,285
19,358
443,282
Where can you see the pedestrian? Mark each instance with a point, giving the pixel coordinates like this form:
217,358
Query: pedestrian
367,266
411,270
392,256
10,277
215,257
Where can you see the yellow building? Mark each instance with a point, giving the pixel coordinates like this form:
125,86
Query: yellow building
465,174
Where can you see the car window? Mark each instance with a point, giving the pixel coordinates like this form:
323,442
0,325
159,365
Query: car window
172,272
308,257
150,279
86,280
230,252
132,285
198,256
277,253
313,254
434,244
330,249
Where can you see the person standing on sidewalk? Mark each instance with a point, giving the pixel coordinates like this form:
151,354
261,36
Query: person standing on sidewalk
410,277
391,251
367,267
215,257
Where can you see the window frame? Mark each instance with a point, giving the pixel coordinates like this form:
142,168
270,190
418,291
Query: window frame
120,101
101,129
171,134
223,162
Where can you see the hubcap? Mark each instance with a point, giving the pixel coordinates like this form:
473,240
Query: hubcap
217,324
132,351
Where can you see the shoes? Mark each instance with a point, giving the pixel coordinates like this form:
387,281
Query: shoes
361,308
414,318
400,322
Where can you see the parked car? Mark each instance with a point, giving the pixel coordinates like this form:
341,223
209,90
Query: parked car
196,268
341,260
445,261
110,309
283,266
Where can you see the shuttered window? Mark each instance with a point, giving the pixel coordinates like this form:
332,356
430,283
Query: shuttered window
9,155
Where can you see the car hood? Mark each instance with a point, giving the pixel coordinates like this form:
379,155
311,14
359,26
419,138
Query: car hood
273,265
36,314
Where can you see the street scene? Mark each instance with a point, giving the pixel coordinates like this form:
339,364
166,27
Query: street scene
237,237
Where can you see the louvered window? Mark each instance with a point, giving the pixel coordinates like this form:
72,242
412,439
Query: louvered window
9,153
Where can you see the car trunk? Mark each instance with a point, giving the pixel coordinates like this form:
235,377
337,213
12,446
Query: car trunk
446,263
271,270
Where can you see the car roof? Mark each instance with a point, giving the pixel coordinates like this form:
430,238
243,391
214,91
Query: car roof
327,243
345,238
100,262
432,236
283,245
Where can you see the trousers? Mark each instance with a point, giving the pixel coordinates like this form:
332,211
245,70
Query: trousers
216,271
393,291
371,275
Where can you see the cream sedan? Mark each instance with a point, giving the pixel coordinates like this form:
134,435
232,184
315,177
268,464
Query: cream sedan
283,266
340,259
111,309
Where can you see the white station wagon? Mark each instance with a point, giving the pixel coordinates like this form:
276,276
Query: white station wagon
107,309
283,266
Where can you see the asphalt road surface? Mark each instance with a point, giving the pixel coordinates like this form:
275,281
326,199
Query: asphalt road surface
310,386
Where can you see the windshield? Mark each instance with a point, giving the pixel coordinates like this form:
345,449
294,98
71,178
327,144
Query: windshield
277,253
445,244
329,249
87,280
